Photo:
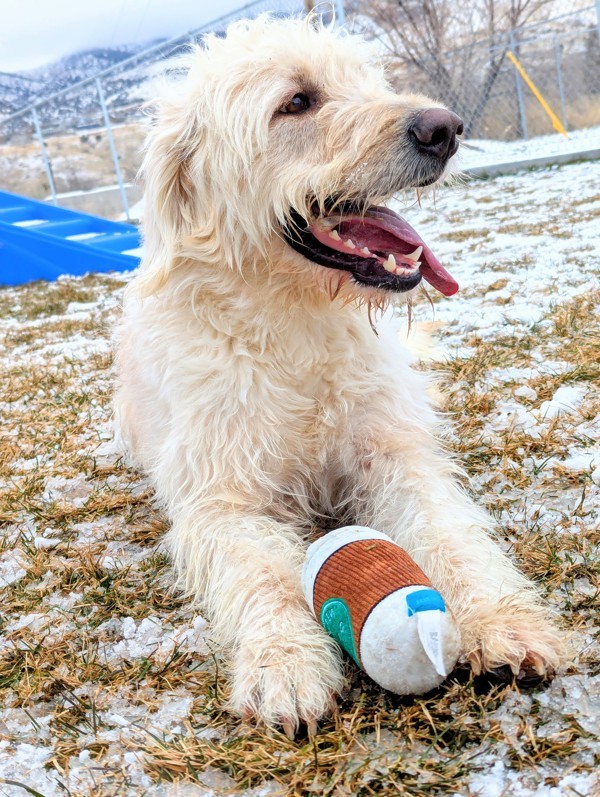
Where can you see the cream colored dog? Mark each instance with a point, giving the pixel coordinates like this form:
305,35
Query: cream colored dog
253,389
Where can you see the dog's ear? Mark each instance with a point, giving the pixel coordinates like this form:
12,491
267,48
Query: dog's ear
169,192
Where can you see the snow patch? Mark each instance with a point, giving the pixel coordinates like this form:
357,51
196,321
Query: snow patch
567,399
12,567
149,638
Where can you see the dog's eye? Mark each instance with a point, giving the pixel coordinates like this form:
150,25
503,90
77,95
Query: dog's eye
298,104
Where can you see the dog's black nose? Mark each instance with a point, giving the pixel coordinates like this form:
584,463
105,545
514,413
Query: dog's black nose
435,132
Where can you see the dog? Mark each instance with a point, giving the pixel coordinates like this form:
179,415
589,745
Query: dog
253,390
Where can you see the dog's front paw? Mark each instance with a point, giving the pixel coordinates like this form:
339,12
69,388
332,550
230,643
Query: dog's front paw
283,681
521,638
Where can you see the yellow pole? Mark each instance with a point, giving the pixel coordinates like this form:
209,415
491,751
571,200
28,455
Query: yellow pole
556,123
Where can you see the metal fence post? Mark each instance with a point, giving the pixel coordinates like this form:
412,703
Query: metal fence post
47,166
113,149
513,47
559,77
340,14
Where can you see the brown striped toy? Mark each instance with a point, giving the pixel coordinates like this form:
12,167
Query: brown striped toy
381,608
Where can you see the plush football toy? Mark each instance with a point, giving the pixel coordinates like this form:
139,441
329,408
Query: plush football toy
381,608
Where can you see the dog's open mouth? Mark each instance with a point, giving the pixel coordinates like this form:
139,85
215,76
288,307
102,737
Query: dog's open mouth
379,248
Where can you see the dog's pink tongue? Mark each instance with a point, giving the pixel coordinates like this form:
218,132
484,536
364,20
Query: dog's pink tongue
431,268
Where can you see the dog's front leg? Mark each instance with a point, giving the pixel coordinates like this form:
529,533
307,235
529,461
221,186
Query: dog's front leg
408,489
245,569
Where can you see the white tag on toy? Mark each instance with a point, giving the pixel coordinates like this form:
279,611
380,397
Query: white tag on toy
429,628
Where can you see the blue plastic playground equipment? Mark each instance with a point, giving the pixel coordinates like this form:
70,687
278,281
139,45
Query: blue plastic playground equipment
41,242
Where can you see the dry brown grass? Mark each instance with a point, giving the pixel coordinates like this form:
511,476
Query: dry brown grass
80,161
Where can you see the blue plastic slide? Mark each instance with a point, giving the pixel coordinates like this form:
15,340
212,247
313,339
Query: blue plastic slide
41,242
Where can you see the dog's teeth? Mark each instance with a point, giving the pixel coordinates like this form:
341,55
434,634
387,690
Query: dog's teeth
350,244
335,235
365,250
390,264
416,254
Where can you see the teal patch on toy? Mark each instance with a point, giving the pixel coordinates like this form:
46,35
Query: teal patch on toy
424,600
335,619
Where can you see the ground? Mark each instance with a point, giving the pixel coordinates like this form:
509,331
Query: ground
110,684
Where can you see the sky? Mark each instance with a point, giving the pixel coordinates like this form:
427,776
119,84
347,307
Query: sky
36,32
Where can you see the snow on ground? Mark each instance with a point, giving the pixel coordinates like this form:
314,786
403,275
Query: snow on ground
488,152
108,680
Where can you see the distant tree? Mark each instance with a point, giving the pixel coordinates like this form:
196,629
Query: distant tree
443,41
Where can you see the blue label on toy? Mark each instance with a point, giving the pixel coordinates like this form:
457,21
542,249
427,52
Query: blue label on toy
335,619
424,600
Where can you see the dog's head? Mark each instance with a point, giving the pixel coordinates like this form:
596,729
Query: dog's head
276,153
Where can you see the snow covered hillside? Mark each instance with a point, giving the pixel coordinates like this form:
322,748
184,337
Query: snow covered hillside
108,681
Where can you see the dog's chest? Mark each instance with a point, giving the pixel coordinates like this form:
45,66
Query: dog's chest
310,398
317,383
300,449
292,395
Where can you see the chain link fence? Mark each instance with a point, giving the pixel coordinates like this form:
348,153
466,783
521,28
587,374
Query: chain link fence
81,147
485,88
